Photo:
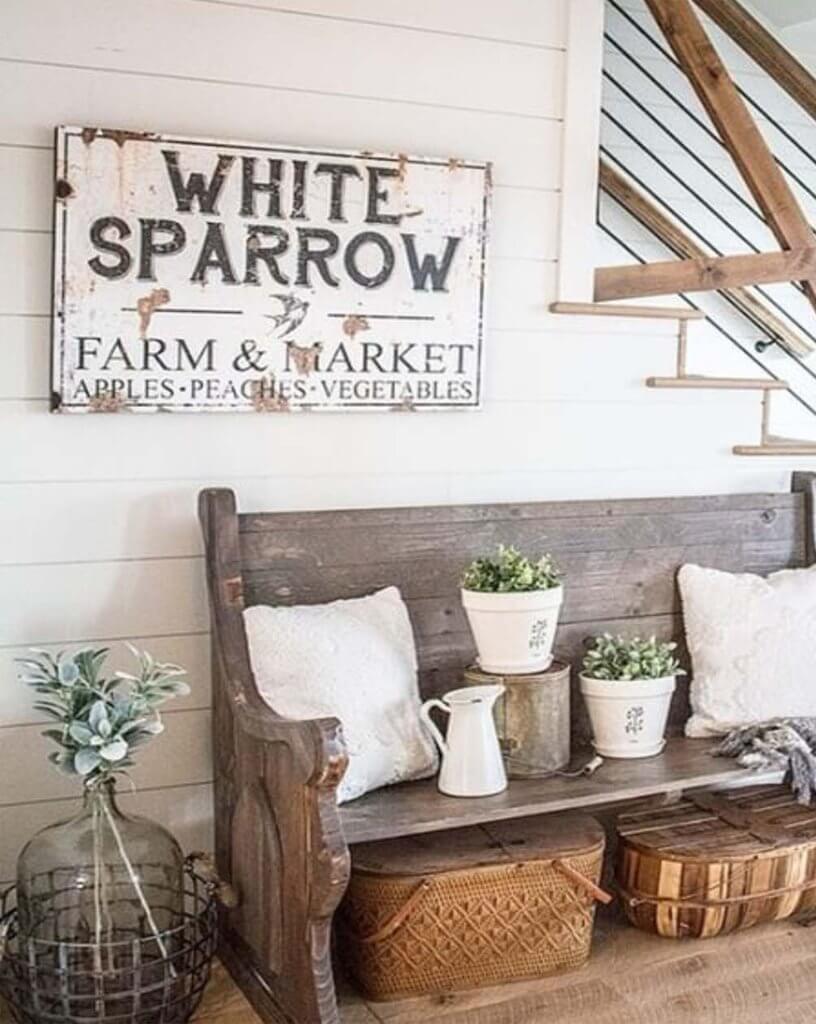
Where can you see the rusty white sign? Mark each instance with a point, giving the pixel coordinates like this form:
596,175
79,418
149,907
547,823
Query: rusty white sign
195,274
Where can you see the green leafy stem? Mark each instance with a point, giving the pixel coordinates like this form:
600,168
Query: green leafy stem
101,720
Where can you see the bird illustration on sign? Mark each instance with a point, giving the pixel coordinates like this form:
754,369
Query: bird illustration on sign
291,317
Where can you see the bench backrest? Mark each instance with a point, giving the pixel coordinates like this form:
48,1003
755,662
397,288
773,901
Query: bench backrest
619,557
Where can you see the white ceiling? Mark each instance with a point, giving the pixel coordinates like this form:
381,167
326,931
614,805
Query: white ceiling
784,13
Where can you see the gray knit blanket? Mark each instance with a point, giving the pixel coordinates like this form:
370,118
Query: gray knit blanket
788,744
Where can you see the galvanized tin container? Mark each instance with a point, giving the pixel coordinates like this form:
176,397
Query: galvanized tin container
532,719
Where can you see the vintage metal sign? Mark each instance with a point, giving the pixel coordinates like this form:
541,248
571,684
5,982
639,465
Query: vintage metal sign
193,274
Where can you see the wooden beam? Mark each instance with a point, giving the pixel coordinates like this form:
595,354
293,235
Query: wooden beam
703,274
638,312
674,238
710,79
761,46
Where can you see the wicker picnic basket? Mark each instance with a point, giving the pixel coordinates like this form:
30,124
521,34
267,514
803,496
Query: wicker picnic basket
714,863
477,906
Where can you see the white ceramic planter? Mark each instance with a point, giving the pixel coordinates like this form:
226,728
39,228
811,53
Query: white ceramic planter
514,633
628,716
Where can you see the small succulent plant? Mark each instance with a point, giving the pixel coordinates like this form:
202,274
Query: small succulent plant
622,658
101,720
508,571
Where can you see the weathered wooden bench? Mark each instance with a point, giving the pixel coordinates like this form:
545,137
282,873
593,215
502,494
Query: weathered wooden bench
280,836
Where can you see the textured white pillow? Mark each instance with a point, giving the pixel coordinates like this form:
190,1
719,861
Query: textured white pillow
355,660
753,646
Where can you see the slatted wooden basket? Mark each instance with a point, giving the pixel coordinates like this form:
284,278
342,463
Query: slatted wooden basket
715,863
476,906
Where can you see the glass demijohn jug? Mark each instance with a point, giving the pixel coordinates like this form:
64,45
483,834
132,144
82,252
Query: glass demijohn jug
102,877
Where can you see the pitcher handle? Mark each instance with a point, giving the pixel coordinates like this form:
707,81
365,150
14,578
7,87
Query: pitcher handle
425,715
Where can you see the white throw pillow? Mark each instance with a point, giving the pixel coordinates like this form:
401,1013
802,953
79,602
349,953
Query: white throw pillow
753,646
355,660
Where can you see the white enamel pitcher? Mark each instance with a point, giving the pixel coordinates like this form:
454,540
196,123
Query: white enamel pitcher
472,762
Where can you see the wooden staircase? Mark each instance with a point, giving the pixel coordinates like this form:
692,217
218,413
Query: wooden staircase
769,444
696,270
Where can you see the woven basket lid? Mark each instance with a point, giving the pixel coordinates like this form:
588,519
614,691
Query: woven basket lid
737,824
504,842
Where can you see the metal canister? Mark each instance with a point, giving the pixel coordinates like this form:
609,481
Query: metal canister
532,719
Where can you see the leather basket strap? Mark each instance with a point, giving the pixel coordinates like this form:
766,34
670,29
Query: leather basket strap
595,891
393,923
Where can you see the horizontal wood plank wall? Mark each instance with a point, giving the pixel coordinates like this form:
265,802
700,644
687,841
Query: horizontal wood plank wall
98,537
619,559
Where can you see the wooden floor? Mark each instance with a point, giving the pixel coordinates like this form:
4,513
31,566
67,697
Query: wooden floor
761,975
753,977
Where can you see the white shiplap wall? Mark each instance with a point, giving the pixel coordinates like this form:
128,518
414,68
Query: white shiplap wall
98,538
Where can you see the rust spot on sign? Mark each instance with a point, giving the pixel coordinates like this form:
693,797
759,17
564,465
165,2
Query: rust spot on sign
147,304
406,405
63,189
402,168
353,324
304,356
120,137
106,403
455,164
264,398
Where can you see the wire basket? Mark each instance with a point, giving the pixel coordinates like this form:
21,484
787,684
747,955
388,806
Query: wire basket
136,978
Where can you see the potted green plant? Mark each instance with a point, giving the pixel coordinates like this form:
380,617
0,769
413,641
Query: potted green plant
512,604
627,684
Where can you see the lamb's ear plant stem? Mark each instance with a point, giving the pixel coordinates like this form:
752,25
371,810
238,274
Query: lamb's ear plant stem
134,878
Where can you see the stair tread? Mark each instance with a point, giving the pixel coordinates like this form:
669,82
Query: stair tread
721,383
776,448
621,309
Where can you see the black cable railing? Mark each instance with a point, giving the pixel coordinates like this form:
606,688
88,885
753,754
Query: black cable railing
712,320
745,95
668,169
761,346
689,225
673,135
682,145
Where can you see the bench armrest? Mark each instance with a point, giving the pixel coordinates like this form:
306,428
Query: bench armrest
278,833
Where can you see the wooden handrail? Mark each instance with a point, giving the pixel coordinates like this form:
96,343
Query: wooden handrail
761,46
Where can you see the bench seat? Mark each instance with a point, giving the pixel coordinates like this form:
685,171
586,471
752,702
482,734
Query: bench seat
281,838
414,807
